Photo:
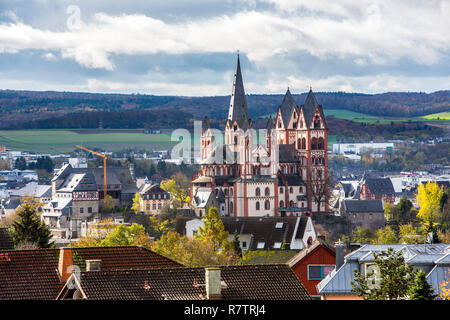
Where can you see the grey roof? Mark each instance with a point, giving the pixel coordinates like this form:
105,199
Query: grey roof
33,189
238,103
338,282
437,275
363,205
79,182
287,107
286,153
290,180
202,196
309,107
205,124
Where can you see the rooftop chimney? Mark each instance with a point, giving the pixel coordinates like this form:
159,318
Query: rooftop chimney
339,254
65,261
213,284
93,265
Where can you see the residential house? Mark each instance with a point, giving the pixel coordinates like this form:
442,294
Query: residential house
41,193
432,259
364,213
377,189
41,274
57,215
244,282
264,233
312,264
6,242
153,199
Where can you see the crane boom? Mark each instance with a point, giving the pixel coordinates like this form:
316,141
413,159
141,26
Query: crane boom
104,167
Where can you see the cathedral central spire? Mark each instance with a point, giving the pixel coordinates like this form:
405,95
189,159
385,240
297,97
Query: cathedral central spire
238,110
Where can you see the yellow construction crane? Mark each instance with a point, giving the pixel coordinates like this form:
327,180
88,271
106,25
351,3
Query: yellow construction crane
104,167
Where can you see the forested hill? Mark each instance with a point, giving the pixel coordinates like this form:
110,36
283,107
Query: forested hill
20,107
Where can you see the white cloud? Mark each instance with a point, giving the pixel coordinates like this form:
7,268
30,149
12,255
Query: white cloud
376,31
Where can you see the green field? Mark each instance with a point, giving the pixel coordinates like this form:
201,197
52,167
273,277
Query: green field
438,116
61,141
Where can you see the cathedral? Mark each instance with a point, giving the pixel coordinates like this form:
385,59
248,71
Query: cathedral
278,170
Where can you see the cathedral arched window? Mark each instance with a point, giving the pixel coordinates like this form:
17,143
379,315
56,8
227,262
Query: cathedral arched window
258,192
291,204
231,192
231,207
314,144
257,205
303,143
267,205
217,171
316,122
281,204
267,191
281,190
291,190
235,139
320,144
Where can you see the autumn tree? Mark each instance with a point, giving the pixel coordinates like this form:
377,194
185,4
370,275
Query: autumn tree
108,204
28,228
213,230
389,279
429,199
136,207
363,235
177,194
158,227
385,235
408,234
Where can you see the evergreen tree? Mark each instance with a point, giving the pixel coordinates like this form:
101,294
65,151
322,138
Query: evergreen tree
20,163
237,245
28,228
421,289
390,278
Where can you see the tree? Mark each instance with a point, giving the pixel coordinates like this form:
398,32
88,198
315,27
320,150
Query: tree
364,235
213,230
421,289
28,227
158,227
177,194
408,234
136,207
237,244
390,278
122,235
385,236
108,204
20,163
192,252
108,234
428,197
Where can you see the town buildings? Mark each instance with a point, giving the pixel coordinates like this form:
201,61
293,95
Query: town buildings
283,175
432,259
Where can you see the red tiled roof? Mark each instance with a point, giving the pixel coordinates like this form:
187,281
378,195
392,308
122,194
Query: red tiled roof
33,274
247,282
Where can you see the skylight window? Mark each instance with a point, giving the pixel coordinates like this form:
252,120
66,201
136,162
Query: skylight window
277,245
260,245
279,225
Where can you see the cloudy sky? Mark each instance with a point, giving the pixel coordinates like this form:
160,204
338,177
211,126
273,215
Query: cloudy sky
180,47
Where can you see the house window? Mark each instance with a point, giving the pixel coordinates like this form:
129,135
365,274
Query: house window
89,209
244,244
277,245
81,210
154,206
159,205
147,207
318,272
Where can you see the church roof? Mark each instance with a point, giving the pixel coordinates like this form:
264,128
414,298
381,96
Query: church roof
238,104
309,107
286,108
